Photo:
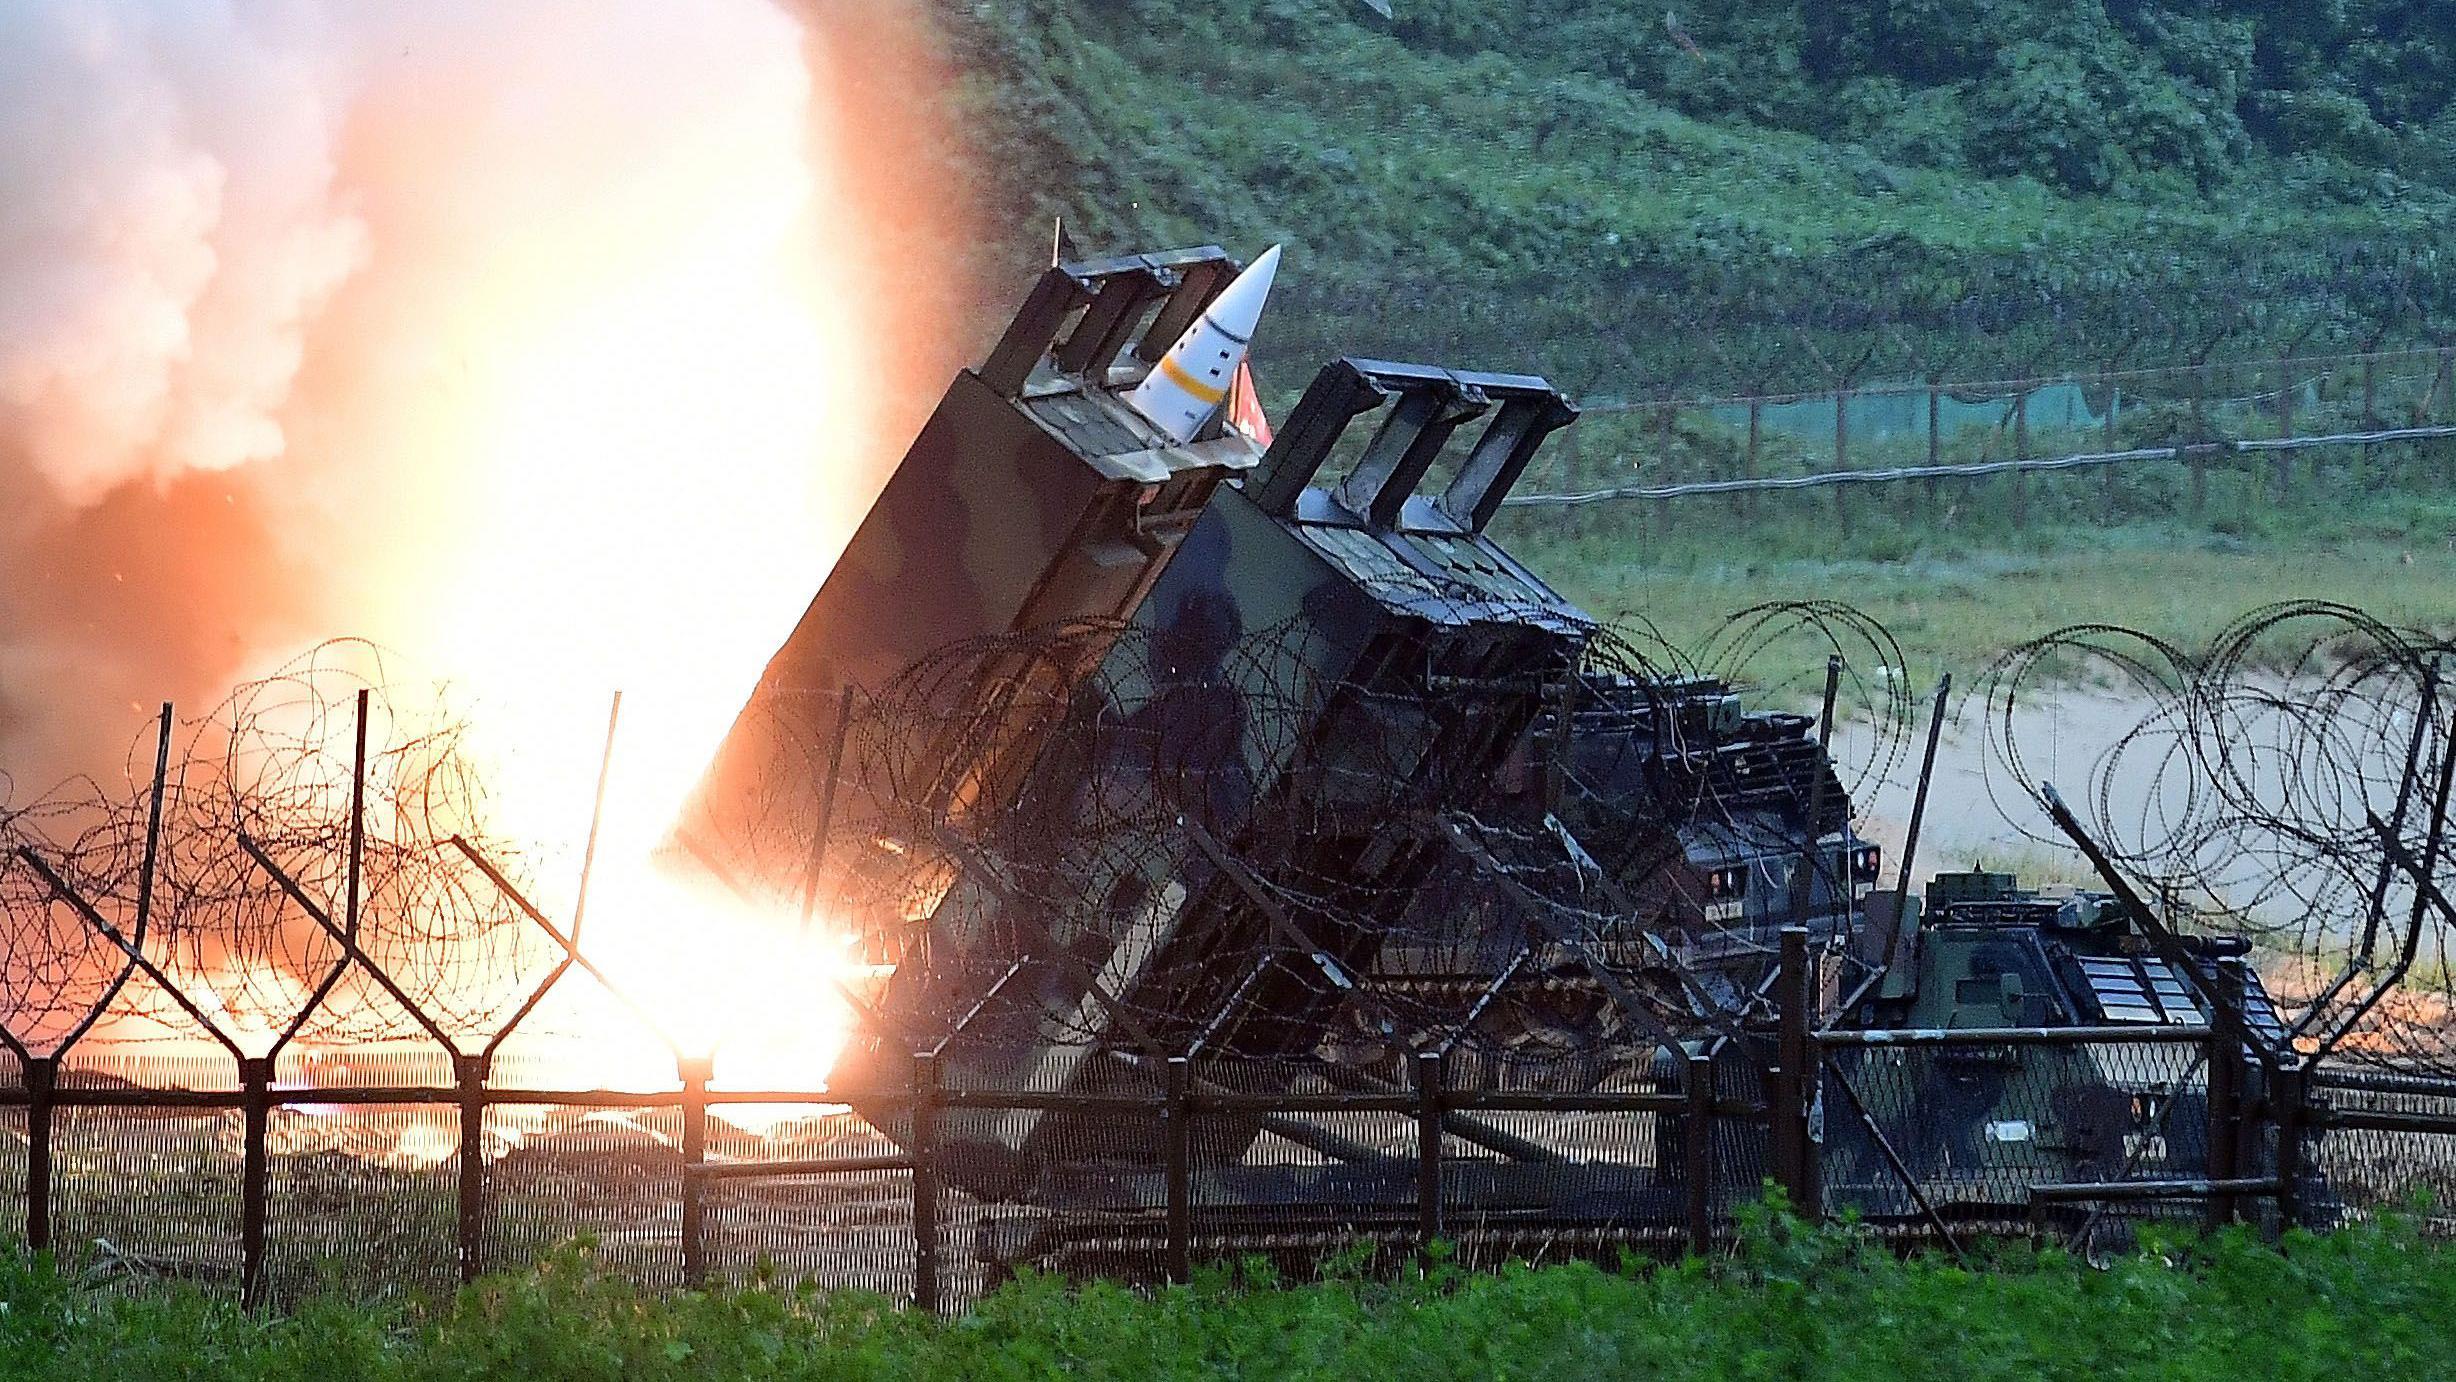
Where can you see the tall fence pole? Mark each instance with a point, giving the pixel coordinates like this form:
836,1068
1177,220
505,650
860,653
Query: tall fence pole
2021,452
1573,465
1790,1112
1428,1147
2225,1089
1179,1120
925,1182
2285,428
1749,459
2287,1092
42,1076
1935,445
2110,494
2199,440
469,1079
695,1071
1697,1152
1842,461
2443,384
256,1107
2366,465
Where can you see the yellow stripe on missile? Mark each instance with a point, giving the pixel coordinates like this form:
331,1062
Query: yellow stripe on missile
1202,392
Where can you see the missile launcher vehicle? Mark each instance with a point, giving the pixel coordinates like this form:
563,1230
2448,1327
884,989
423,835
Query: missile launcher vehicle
1335,657
1325,668
1270,772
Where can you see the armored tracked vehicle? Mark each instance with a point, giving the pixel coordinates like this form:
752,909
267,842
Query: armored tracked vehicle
1981,1127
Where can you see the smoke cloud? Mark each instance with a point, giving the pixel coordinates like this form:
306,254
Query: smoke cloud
171,224
556,340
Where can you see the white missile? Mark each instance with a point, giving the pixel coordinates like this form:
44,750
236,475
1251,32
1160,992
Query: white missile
1186,387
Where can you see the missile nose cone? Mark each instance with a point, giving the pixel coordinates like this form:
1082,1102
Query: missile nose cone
1238,308
1188,384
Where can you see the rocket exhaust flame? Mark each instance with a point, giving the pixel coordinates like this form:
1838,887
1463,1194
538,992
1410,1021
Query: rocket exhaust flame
535,344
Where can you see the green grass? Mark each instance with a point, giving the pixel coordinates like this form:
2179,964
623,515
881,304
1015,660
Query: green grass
1958,587
2374,1301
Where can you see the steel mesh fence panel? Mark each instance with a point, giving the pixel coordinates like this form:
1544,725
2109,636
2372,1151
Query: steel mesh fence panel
163,1066
850,1229
610,1175
1741,1155
1964,1132
1297,1188
1547,1184
15,1148
16,1143
148,1193
361,1199
2367,1168
2079,447
1055,1185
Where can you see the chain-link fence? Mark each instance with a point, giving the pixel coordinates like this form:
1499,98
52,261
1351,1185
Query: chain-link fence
2078,1133
2092,447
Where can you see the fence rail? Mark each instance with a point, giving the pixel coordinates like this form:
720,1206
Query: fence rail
1840,438
2197,451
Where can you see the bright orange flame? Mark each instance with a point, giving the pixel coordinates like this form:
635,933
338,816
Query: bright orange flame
663,430
654,477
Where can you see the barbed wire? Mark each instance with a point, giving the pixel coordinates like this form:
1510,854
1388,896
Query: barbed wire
272,766
2266,784
1251,847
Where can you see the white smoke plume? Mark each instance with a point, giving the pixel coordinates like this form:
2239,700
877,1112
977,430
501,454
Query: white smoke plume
169,225
541,335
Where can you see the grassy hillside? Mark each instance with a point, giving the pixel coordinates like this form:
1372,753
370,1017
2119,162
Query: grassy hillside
1761,190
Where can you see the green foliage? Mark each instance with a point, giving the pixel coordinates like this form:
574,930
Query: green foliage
1791,1301
1759,192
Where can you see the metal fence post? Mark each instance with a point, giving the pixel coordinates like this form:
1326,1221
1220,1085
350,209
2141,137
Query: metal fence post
2021,452
2199,442
469,1078
42,1076
2366,463
1697,1152
1428,1146
1842,461
695,1071
2225,1090
1179,1116
256,1106
1749,458
2443,385
2286,1097
1790,1111
1935,444
925,1181
2285,429
1573,464
2111,429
